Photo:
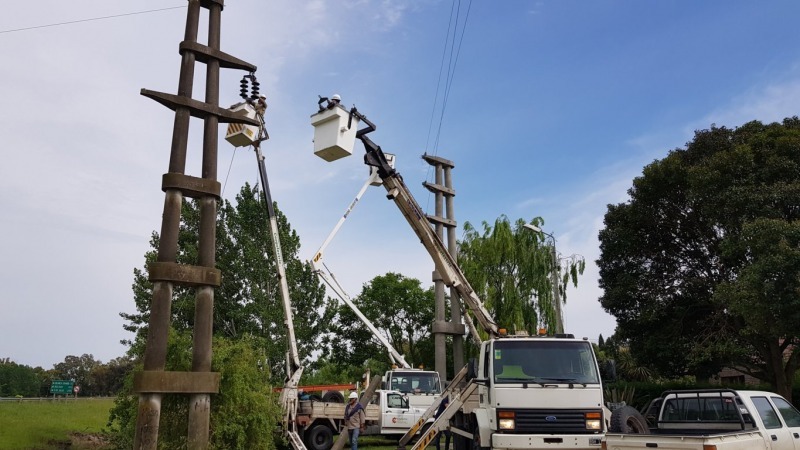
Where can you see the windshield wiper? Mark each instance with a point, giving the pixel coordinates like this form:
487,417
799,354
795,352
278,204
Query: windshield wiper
570,381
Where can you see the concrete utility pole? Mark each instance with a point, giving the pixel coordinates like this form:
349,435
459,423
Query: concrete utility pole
165,273
443,189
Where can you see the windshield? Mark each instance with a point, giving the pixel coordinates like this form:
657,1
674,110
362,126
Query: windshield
544,362
415,382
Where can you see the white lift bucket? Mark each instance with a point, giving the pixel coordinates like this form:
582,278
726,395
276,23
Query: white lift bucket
239,134
332,139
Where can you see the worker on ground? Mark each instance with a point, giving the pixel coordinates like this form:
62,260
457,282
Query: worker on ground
354,419
446,433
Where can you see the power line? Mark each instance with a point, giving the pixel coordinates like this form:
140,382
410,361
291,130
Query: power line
452,55
451,70
89,20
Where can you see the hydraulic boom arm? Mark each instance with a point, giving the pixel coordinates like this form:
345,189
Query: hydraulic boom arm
330,280
445,264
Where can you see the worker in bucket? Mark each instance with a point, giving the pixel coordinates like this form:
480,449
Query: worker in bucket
354,419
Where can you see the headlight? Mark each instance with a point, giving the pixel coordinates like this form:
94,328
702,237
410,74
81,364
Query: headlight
594,420
505,420
506,424
593,424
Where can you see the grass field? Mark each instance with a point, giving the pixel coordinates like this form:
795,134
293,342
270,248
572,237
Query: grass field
42,425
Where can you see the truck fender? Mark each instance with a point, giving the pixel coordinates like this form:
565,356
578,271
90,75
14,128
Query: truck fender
482,427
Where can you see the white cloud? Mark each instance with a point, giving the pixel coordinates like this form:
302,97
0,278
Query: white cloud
766,103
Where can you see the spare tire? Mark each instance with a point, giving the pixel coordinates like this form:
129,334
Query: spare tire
333,397
628,420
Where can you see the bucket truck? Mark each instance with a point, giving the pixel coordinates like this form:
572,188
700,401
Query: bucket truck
525,392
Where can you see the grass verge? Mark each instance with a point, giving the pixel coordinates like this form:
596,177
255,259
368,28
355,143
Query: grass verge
44,424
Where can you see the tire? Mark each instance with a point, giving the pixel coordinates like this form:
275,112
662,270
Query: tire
476,440
461,442
319,437
333,397
628,420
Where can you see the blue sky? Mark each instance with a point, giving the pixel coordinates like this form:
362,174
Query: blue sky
553,108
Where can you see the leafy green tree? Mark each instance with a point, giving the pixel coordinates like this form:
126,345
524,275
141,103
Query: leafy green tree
108,379
701,266
510,268
249,331
400,309
248,301
78,369
16,379
244,415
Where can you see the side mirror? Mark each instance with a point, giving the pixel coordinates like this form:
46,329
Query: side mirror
472,369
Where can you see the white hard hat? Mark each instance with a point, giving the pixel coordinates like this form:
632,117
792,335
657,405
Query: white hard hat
336,97
353,395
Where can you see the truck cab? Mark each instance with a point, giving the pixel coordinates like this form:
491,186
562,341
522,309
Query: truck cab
538,392
421,386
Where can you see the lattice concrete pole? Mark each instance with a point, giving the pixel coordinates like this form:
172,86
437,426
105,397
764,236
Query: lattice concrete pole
200,403
439,337
452,246
441,327
155,355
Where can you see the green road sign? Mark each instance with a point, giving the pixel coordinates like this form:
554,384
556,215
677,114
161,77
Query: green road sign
61,387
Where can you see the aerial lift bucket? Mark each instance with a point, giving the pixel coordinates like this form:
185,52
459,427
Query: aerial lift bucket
239,134
333,138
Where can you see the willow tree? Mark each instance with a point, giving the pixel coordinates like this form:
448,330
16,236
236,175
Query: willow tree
511,269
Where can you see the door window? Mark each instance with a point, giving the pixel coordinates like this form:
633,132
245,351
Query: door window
790,415
767,413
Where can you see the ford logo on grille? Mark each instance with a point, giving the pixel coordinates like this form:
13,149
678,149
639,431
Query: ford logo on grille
551,418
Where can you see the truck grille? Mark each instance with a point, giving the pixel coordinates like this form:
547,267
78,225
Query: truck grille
550,421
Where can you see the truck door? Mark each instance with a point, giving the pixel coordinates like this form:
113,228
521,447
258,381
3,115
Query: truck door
777,435
397,415
791,418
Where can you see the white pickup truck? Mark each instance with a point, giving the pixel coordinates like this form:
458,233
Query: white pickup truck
712,419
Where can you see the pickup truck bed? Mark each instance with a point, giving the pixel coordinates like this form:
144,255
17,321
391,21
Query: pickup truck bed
745,440
333,410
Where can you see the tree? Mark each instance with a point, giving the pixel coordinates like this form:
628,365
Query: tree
510,269
108,379
249,331
16,379
78,369
400,309
700,267
248,302
243,416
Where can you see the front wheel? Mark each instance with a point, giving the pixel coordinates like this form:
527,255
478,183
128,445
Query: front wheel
476,439
319,437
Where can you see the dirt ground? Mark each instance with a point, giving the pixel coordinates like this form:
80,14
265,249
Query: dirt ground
81,441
